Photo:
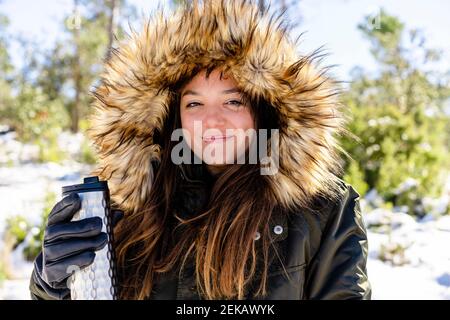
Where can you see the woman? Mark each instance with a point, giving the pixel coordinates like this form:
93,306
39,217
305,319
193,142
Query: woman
217,141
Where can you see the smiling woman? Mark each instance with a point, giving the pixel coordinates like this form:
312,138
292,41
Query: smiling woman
209,229
217,106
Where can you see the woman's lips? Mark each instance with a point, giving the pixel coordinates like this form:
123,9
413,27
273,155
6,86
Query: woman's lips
216,138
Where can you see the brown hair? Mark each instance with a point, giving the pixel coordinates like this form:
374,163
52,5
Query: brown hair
219,239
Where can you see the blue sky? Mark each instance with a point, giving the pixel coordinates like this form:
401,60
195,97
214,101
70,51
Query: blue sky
331,23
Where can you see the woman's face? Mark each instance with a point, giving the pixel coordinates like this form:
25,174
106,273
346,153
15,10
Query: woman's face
215,118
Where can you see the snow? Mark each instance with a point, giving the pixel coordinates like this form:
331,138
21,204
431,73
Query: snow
427,271
22,191
419,270
407,282
24,185
14,151
422,270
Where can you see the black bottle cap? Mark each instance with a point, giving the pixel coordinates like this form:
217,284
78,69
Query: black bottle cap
89,184
91,179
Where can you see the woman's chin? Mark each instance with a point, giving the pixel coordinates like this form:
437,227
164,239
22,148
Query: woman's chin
215,162
219,160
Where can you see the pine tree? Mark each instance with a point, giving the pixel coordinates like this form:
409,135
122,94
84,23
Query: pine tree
399,117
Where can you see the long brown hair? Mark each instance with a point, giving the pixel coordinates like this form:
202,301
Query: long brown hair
219,239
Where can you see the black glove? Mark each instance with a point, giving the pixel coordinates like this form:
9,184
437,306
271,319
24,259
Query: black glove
66,245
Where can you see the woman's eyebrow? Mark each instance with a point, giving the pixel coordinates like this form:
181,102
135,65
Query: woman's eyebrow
232,90
228,91
190,92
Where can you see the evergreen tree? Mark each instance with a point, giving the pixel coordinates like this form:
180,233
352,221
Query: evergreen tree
399,117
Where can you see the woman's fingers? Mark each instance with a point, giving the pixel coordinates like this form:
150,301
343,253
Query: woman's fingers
58,271
84,228
65,209
57,251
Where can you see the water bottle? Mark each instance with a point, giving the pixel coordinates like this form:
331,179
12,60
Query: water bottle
98,280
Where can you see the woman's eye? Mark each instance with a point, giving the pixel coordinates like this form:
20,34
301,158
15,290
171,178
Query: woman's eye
235,102
192,104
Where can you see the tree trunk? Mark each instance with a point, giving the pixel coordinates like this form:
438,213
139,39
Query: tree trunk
113,14
75,112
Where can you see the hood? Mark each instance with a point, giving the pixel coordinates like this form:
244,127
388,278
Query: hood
131,103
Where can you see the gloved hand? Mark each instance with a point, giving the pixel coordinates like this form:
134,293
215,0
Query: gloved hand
66,245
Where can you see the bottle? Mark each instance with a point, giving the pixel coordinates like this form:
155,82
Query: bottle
98,280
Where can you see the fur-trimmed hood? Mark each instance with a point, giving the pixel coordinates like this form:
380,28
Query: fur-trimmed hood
257,51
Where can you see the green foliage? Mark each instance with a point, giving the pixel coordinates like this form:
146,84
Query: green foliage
34,244
89,39
355,177
17,228
87,155
2,273
38,120
36,116
399,120
6,70
384,37
52,89
49,150
5,60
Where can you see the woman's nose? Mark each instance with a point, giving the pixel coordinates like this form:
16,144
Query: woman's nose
213,118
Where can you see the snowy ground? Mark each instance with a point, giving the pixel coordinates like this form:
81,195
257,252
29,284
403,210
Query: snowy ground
22,191
23,187
425,274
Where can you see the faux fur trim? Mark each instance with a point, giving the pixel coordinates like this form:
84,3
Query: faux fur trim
257,51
